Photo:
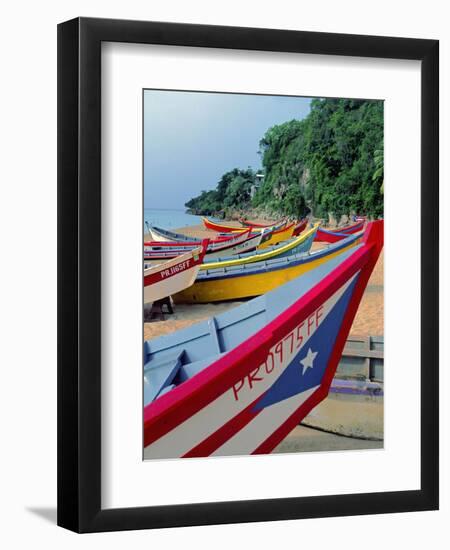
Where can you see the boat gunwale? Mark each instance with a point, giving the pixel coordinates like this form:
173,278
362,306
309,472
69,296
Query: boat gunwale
284,262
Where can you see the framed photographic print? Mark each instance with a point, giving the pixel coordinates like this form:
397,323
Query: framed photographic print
248,274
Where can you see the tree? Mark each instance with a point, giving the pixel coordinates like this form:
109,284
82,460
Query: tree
331,162
378,157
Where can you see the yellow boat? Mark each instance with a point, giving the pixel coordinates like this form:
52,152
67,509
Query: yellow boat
248,280
278,236
299,244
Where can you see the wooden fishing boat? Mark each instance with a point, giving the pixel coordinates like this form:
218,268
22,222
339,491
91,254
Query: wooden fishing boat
301,226
248,280
222,227
165,279
245,242
296,245
335,235
359,226
278,236
158,234
165,236
238,383
325,236
248,223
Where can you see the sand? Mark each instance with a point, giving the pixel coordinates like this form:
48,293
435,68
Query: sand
369,320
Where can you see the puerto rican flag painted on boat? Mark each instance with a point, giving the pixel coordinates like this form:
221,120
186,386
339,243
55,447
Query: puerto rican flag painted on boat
251,398
240,420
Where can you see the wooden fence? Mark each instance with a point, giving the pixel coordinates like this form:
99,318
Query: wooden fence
363,357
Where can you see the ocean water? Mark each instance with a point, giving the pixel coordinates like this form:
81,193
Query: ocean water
169,219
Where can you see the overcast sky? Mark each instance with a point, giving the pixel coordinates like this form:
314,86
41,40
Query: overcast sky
192,138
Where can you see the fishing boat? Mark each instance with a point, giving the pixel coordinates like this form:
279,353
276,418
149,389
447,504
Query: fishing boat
359,226
158,234
325,236
239,383
163,280
301,226
248,280
248,223
244,242
296,245
222,227
278,236
335,235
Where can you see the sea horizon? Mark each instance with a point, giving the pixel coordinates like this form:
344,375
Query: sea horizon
170,218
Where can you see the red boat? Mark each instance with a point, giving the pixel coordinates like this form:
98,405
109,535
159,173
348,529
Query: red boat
334,235
350,228
301,226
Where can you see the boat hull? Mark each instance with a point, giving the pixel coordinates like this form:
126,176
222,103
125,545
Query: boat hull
352,228
222,227
330,237
301,226
335,235
239,244
172,276
163,236
157,237
235,287
248,223
278,236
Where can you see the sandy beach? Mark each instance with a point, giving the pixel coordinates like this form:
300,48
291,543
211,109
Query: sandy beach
369,320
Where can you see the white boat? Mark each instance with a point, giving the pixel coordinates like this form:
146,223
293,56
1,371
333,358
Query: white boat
160,235
244,242
163,280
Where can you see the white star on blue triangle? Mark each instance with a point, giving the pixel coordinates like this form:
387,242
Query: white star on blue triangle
308,360
290,383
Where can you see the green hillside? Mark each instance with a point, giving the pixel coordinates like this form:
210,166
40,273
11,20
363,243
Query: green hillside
331,162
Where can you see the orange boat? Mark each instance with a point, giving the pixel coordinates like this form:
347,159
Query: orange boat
221,227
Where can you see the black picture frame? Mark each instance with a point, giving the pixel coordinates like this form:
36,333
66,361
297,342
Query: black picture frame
79,274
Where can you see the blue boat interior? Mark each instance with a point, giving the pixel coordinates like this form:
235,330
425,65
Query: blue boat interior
172,359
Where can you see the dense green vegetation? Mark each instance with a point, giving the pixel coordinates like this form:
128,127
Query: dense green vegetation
331,162
232,192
